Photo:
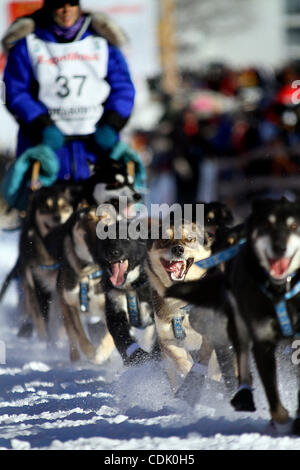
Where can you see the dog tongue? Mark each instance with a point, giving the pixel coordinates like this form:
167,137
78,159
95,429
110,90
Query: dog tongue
118,270
279,266
175,267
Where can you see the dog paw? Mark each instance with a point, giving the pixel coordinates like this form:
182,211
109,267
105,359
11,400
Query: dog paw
275,429
100,358
243,400
25,330
190,390
74,355
138,357
296,427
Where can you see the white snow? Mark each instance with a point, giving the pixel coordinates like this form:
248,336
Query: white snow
48,403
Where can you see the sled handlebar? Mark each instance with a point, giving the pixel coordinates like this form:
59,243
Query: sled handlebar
35,183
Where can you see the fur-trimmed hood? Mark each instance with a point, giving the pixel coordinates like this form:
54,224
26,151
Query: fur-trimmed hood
101,23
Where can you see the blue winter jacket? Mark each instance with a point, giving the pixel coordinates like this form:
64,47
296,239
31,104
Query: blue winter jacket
22,101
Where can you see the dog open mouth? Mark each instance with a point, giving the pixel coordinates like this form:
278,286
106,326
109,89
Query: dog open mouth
278,267
177,270
119,271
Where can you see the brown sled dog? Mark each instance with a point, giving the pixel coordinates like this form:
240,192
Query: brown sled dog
171,259
79,283
48,208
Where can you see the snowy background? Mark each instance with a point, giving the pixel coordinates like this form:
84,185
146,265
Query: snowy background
48,403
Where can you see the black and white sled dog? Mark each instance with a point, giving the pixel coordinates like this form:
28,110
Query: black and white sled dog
110,183
102,279
127,295
263,283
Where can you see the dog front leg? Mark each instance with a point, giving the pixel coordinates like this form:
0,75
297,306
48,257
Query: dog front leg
296,424
119,327
177,359
226,358
178,363
68,324
239,336
190,390
105,348
264,354
76,333
32,308
243,399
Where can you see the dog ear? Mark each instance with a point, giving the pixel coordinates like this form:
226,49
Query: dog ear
208,239
83,204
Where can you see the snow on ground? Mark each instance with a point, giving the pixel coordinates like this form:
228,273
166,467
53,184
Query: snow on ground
48,403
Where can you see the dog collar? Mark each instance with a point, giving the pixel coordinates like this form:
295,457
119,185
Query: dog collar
221,257
50,267
281,309
84,290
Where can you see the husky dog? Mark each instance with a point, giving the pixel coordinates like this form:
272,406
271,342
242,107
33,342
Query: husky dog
268,268
79,287
263,285
172,258
48,208
216,215
128,301
109,182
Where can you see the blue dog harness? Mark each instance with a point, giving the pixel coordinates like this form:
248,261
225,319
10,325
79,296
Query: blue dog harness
84,290
221,257
178,330
133,310
282,312
50,267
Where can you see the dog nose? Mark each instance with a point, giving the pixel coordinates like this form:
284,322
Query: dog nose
56,218
137,197
177,250
279,247
115,253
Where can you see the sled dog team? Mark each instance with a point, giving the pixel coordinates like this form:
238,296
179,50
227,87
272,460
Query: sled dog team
201,303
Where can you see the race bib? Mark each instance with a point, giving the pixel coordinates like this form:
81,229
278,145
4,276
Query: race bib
71,81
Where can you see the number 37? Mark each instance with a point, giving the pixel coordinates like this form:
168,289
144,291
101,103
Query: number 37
67,85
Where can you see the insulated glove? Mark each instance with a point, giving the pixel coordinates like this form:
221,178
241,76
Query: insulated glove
15,185
53,137
122,152
106,137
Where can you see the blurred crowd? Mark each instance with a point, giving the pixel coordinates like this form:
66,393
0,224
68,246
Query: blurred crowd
225,129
